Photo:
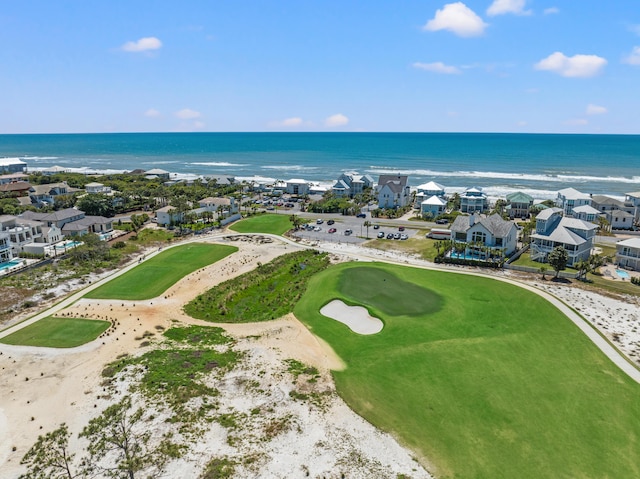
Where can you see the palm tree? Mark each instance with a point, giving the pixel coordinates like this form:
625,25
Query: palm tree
366,224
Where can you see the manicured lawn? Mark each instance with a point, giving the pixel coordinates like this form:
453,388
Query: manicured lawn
481,378
425,247
154,276
55,332
273,224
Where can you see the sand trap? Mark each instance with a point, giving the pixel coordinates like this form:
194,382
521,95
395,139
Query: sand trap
356,318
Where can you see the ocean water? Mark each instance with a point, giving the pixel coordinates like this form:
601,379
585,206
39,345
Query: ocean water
538,164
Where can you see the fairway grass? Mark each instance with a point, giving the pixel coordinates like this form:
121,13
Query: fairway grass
154,276
481,378
55,332
268,224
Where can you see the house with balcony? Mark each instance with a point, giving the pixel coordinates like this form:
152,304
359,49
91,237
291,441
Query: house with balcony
45,195
20,231
433,207
518,205
619,214
485,236
89,224
570,198
586,213
297,186
553,229
393,191
350,184
226,205
97,188
628,253
56,218
426,191
474,200
5,248
632,200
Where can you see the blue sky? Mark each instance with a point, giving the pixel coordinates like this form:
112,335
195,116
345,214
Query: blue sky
559,66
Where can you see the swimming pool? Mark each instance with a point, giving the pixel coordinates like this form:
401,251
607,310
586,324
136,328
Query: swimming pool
68,244
9,264
622,274
466,256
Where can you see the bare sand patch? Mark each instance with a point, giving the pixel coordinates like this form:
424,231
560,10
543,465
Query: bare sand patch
356,318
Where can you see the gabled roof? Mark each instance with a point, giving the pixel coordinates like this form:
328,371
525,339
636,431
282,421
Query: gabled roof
430,186
399,180
586,209
434,200
573,194
621,213
577,224
630,243
15,186
606,200
46,189
562,235
494,224
340,185
548,213
156,171
519,197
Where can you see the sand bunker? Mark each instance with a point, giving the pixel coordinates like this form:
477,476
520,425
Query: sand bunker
356,318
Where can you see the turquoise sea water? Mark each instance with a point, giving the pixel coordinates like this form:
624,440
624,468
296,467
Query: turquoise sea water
539,164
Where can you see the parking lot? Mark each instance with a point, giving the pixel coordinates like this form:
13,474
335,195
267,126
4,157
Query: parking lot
335,228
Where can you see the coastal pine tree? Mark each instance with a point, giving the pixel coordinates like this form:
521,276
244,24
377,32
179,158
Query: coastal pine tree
558,259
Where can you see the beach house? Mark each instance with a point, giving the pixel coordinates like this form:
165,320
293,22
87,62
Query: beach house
569,198
553,229
473,200
45,195
518,205
433,207
586,213
628,253
12,165
297,186
485,235
21,231
5,248
226,205
393,191
350,184
168,215
97,188
633,200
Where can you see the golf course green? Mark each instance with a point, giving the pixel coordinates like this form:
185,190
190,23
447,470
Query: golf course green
154,276
268,224
55,332
482,379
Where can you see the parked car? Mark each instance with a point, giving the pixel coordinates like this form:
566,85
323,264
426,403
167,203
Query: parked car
348,232
404,237
332,230
381,234
319,221
361,215
330,222
442,221
317,228
396,236
401,228
390,236
376,227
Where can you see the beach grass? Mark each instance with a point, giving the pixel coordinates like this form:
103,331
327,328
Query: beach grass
423,247
268,224
55,332
482,378
154,276
268,292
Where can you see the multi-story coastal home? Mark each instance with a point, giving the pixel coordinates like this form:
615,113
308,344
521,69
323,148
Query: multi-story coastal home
553,229
393,191
633,200
427,190
21,231
228,205
350,184
619,214
628,253
97,188
586,213
13,177
297,186
433,206
5,248
485,232
518,205
12,165
474,200
569,198
45,195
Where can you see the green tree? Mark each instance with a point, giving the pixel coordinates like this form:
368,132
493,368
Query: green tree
558,259
96,204
366,224
49,457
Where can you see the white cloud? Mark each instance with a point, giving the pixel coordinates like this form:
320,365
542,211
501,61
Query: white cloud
457,18
595,109
336,120
188,114
577,66
287,123
634,57
437,67
142,45
551,10
152,113
501,7
576,122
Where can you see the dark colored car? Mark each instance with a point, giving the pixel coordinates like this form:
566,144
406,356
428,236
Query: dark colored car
390,236
381,234
348,232
442,221
401,228
361,215
330,222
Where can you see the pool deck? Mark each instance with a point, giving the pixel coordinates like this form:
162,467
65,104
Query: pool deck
609,272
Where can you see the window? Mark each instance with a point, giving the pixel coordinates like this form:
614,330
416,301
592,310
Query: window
478,237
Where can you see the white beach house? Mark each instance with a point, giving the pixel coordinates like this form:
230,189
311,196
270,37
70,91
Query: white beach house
433,206
569,198
474,200
393,191
628,253
485,232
